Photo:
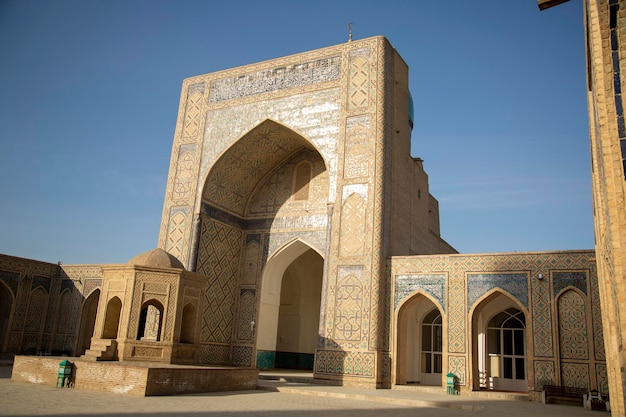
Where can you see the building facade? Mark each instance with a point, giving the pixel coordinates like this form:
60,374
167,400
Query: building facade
292,190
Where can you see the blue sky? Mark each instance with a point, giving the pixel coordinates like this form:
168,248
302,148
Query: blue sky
89,94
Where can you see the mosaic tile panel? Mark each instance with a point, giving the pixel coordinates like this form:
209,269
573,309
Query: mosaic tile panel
247,303
572,326
242,356
349,306
176,243
561,280
359,79
315,239
456,315
334,362
575,375
36,305
602,378
214,354
542,320
184,180
43,282
289,76
252,262
219,259
596,314
456,365
356,154
480,284
431,284
90,285
353,215
193,110
544,374
381,96
11,280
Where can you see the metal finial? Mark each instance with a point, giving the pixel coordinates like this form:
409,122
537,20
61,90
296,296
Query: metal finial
350,29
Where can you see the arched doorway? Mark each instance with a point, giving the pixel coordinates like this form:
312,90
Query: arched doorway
6,305
88,321
499,344
261,193
506,350
420,342
112,318
150,321
290,309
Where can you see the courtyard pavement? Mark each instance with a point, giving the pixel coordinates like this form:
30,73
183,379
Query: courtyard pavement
275,397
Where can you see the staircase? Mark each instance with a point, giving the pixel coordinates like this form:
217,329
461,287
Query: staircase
101,350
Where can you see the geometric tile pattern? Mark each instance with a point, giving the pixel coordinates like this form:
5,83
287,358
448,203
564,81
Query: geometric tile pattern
193,110
251,262
479,284
298,186
37,305
433,285
456,365
218,258
234,175
247,303
359,79
349,309
577,279
596,323
575,375
542,320
456,315
356,155
242,356
572,326
335,362
184,181
602,378
176,243
214,354
544,374
352,224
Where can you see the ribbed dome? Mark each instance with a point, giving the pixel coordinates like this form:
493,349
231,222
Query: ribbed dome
157,258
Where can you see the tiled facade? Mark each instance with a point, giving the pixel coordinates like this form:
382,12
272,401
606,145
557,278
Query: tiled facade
606,52
557,292
308,157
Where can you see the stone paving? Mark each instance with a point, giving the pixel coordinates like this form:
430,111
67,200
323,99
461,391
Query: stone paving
275,399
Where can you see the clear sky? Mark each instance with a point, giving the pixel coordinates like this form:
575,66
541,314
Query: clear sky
89,94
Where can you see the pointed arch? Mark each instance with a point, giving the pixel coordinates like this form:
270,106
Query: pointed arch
151,320
508,368
239,168
112,318
288,321
419,356
89,311
188,324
